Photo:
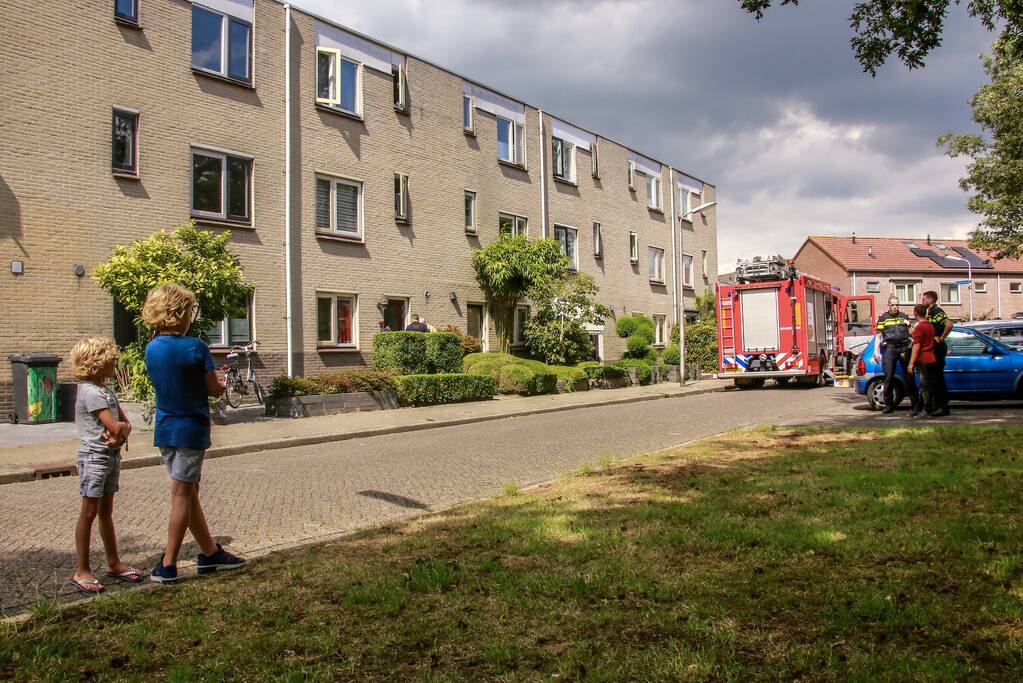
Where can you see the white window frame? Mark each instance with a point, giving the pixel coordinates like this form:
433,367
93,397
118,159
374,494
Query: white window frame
598,240
225,46
703,264
594,161
660,330
470,227
980,287
908,286
471,128
520,311
517,222
223,156
334,296
873,287
516,142
1016,288
654,200
949,301
398,72
631,174
655,257
225,341
333,100
684,205
633,247
687,273
575,252
401,196
567,160
333,229
134,114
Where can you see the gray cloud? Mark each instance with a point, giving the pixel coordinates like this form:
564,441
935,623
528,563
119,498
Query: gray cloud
778,114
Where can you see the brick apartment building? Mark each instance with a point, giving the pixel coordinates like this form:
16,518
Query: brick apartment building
907,268
355,179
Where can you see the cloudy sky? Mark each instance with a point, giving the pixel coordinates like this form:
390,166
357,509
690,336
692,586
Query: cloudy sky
778,115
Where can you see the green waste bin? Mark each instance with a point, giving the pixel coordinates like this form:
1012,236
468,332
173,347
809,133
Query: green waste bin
34,376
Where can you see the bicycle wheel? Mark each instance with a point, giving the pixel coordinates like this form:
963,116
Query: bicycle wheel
232,395
258,390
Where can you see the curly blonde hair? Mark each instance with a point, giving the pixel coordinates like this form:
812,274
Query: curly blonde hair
168,306
90,355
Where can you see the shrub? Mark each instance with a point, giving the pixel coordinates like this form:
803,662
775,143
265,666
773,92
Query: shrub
516,378
702,345
470,344
444,352
131,381
644,373
626,325
636,346
427,390
672,355
636,324
400,353
340,382
475,359
674,336
597,371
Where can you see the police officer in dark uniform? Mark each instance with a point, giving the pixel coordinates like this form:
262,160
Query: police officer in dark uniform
942,328
896,345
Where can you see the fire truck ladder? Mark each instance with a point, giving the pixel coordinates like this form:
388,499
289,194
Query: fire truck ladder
727,330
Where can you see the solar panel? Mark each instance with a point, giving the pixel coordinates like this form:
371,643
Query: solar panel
912,246
975,261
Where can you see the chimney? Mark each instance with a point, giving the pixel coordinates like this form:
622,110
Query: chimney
854,238
928,239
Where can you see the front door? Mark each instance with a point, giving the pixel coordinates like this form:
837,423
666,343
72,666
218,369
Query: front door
394,314
476,323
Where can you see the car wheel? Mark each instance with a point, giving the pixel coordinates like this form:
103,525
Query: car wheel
875,394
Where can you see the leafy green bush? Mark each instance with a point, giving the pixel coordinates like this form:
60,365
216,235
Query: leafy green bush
521,379
702,345
400,353
674,336
598,371
131,381
644,373
626,325
470,344
672,355
340,382
444,352
427,390
636,346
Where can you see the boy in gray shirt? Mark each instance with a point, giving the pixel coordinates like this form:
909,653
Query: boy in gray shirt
103,429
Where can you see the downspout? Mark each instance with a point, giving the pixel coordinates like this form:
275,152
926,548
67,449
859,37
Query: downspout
289,320
998,288
674,257
854,284
543,180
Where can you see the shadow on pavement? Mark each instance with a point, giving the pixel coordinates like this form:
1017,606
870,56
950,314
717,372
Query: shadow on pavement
394,499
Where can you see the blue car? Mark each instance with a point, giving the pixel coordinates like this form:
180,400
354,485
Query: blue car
977,368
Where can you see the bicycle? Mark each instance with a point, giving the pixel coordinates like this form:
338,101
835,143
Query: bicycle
234,386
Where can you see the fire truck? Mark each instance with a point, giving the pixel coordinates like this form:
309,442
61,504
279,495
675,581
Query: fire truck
777,323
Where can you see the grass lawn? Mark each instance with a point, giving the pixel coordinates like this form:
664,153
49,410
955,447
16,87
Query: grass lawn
772,554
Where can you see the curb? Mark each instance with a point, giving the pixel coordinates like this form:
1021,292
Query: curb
29,474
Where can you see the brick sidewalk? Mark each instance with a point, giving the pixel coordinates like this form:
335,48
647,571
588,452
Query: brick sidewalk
20,463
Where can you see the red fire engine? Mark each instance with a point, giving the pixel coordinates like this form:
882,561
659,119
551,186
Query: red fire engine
780,324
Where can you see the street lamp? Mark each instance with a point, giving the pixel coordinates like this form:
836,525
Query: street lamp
969,275
680,308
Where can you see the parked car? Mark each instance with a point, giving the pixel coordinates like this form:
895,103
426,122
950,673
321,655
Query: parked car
1009,332
978,368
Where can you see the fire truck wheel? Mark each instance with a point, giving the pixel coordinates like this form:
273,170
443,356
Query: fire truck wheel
751,383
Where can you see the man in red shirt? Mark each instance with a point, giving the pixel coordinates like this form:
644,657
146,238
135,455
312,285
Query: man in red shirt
923,359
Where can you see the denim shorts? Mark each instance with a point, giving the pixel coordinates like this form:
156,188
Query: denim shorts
98,472
183,464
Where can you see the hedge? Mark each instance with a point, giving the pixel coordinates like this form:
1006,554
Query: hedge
417,353
644,373
595,370
702,345
341,382
428,390
526,381
672,355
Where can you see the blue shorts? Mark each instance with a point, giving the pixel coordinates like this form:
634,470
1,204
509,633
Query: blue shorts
183,464
98,473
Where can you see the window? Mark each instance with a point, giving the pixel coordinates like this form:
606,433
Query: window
703,264
873,287
339,206
124,141
519,328
563,159
631,170
470,211
687,270
337,81
401,198
468,114
127,10
507,224
633,247
233,330
905,292
598,241
660,330
653,193
399,88
684,205
336,320
1015,287
566,237
980,287
221,44
510,142
656,264
965,344
221,186
594,163
949,293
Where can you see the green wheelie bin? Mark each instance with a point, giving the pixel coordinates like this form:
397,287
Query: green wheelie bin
34,376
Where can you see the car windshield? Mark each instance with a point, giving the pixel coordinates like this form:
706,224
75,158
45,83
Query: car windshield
990,340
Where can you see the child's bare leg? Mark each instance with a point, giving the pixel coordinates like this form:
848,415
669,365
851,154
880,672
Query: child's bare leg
83,537
106,532
181,507
198,526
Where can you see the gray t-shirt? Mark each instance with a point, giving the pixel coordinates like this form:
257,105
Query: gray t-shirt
93,398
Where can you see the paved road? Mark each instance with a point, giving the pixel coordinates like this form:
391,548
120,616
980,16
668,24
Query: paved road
274,499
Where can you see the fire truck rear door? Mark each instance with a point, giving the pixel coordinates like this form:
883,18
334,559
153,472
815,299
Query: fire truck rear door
759,319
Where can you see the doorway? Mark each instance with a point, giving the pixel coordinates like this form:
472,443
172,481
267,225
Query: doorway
395,314
476,322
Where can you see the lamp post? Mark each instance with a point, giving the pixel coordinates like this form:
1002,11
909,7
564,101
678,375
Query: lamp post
969,275
680,308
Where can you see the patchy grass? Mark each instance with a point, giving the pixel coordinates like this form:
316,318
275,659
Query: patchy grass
772,554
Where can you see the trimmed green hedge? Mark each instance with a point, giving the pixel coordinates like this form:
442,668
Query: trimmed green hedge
644,373
672,355
528,378
595,370
341,382
417,353
428,390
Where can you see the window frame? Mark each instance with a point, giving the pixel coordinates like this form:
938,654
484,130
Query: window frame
689,281
399,76
908,286
132,19
225,328
980,287
515,219
565,158
574,266
402,202
1016,288
333,100
652,258
633,247
133,170
333,296
332,230
703,264
660,329
470,113
519,317
225,157
516,146
471,225
598,240
594,161
685,205
948,301
225,47
654,192
631,174
873,287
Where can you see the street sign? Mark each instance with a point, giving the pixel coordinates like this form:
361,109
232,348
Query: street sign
962,282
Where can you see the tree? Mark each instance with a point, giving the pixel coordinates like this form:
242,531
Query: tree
196,259
557,332
508,269
996,172
910,29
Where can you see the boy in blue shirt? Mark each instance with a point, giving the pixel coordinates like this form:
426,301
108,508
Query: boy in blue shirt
182,371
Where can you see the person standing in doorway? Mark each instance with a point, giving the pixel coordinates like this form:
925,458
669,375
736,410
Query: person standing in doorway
416,325
942,328
896,343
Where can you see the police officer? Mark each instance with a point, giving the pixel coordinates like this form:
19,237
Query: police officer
942,328
896,345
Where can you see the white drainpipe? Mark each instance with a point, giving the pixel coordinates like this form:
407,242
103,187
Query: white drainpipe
543,181
287,189
854,284
998,288
674,257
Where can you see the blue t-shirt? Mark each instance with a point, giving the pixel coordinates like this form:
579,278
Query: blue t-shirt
177,366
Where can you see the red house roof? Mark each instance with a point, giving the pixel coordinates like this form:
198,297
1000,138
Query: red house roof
895,254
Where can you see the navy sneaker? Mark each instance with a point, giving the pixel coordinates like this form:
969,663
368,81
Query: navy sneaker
162,574
218,560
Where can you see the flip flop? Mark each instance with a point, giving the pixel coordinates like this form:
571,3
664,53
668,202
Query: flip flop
132,575
81,585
